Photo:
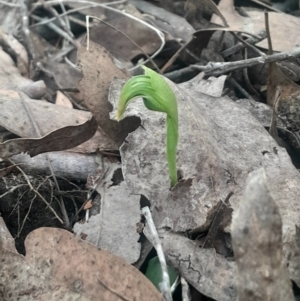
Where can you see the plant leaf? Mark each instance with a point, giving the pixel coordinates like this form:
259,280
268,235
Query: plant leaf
154,273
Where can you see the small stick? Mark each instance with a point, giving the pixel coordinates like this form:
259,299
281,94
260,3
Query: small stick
252,40
221,68
63,24
64,14
57,2
186,293
165,284
240,88
58,30
176,55
36,192
26,31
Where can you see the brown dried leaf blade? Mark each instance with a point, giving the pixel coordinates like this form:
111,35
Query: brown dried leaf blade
58,266
278,79
79,266
61,139
257,244
99,70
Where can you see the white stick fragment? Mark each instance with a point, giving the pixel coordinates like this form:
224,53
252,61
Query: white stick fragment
165,284
186,293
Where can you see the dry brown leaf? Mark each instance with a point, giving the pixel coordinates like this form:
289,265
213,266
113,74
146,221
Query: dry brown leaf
204,6
9,18
65,77
11,78
257,243
278,79
79,266
63,100
280,25
175,25
124,50
99,70
59,266
6,241
88,205
48,118
219,144
61,139
16,50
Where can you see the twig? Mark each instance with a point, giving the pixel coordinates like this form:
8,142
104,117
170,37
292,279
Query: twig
9,4
240,88
63,24
58,30
25,217
273,127
267,6
56,2
268,33
176,55
246,77
221,68
252,40
248,45
173,75
11,190
186,293
62,6
26,31
36,192
165,284
70,11
240,45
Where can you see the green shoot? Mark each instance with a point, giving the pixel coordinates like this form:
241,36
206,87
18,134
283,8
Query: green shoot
157,96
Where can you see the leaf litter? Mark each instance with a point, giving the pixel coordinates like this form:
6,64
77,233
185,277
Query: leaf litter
213,158
220,144
47,271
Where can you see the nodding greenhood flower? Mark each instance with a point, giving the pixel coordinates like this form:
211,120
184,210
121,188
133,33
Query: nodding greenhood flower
157,96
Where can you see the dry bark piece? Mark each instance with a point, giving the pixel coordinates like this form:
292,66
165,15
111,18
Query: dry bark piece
65,164
99,70
257,244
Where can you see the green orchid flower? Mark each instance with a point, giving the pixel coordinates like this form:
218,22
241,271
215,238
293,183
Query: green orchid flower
157,96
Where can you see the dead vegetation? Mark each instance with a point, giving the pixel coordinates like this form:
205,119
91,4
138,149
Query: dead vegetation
73,180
